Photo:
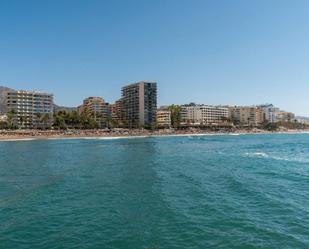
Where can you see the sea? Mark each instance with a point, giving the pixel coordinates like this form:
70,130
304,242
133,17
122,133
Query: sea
219,191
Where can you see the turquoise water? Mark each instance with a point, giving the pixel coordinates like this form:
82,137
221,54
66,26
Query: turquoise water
248,191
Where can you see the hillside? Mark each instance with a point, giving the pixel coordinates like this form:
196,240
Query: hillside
3,91
58,108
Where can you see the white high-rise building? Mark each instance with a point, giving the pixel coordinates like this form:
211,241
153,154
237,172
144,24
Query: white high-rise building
269,113
204,114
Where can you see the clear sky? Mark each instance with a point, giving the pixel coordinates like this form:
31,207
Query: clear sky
213,52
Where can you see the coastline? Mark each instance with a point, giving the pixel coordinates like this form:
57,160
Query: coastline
29,135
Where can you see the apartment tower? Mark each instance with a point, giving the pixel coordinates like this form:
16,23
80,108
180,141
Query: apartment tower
30,109
140,104
97,108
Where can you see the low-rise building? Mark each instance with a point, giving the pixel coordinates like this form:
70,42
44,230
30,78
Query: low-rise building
163,118
302,120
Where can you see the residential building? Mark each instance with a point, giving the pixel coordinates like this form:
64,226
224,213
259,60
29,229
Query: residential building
117,113
30,109
283,116
97,108
246,115
204,114
269,113
163,118
140,104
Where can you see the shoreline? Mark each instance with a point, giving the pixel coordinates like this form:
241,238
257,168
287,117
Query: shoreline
104,135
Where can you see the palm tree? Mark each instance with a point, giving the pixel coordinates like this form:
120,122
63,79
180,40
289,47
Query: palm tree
175,115
11,117
38,118
45,119
22,120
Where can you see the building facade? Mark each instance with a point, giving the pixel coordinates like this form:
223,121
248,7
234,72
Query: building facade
30,109
204,115
164,118
97,108
246,115
283,116
139,102
269,113
117,113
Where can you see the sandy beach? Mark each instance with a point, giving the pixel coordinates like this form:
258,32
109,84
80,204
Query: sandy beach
25,135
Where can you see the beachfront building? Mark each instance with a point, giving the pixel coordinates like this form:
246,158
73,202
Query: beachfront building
29,109
97,108
139,102
283,116
204,115
117,113
269,113
163,118
246,115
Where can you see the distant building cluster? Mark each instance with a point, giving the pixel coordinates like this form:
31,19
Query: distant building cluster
196,115
256,115
136,108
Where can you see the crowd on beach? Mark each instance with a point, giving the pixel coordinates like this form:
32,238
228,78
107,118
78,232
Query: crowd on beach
21,134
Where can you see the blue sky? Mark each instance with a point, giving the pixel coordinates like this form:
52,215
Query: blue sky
213,52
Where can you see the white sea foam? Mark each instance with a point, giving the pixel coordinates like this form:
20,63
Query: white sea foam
17,139
291,159
125,137
299,159
256,154
95,138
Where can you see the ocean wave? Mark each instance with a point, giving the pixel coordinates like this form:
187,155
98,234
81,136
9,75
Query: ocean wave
279,158
17,139
256,154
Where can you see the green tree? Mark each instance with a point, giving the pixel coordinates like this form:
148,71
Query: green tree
175,115
270,126
46,120
12,119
